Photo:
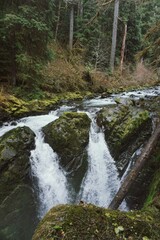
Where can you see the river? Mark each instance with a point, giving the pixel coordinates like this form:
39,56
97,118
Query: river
51,187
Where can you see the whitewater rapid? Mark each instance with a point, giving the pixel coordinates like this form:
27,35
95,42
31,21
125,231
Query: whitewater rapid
101,181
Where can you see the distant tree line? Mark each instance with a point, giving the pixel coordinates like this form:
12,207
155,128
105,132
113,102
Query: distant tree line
27,27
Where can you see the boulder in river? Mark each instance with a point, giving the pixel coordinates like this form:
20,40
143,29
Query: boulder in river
69,136
126,128
15,147
86,222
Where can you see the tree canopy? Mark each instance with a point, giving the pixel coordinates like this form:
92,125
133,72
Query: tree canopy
27,27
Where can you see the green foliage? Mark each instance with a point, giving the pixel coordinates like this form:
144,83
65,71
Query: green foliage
150,50
151,47
24,37
26,27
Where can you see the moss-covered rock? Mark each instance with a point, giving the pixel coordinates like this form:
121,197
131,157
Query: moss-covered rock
69,136
88,222
15,148
12,107
126,129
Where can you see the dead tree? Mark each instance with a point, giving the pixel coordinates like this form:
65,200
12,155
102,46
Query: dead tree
114,34
145,155
123,47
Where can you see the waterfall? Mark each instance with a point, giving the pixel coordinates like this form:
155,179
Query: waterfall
50,178
52,185
131,163
101,181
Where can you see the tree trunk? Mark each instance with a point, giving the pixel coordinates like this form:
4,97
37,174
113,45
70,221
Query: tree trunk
97,54
114,34
123,47
146,153
71,27
58,19
13,62
80,8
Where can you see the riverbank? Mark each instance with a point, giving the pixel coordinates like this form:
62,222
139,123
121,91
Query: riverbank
13,106
148,99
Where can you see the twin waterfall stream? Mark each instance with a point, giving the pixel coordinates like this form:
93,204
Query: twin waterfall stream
101,181
98,186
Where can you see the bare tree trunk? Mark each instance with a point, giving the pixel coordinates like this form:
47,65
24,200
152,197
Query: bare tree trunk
114,34
147,151
13,60
71,27
97,54
80,8
58,19
123,47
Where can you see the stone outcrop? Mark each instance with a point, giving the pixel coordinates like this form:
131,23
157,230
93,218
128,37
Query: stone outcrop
15,147
69,136
126,129
18,214
84,221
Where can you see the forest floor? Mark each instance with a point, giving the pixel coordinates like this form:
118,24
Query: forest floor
69,72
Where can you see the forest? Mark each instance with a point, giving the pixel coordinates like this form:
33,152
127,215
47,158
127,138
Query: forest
79,119
40,38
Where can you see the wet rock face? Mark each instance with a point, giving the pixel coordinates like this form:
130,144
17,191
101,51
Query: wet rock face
15,147
19,224
69,136
126,129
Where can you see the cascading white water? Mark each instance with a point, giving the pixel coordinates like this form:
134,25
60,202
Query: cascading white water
51,179
101,181
52,184
131,163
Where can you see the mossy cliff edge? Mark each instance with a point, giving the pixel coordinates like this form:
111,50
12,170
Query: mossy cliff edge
86,222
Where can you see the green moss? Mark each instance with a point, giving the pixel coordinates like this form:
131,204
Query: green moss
154,188
15,148
70,132
11,106
86,222
69,136
122,124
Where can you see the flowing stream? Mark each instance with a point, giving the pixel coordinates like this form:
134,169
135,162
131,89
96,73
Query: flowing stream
97,186
101,181
51,179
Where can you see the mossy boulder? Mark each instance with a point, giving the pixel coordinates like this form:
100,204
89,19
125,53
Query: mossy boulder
69,136
88,222
15,147
126,128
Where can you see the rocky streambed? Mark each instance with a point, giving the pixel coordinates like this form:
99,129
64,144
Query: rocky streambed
125,122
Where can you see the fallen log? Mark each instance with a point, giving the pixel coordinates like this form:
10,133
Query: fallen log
146,153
